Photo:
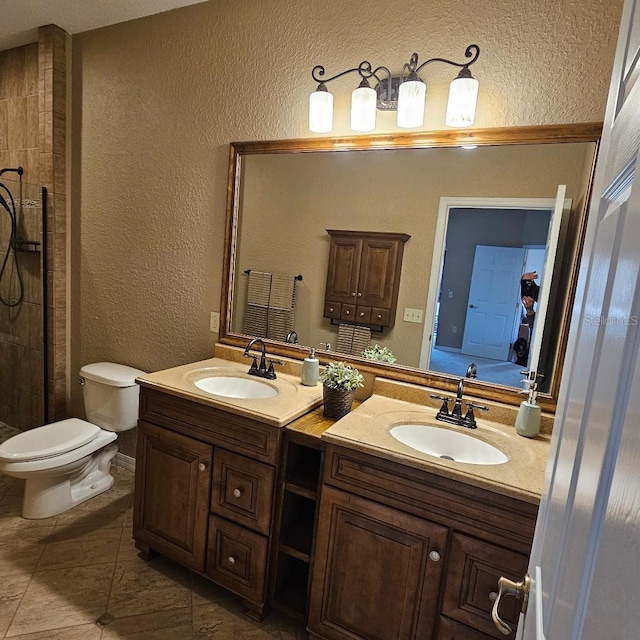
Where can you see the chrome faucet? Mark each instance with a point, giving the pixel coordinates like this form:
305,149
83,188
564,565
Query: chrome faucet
455,416
261,370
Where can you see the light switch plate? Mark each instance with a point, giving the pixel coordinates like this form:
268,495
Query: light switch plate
214,322
413,315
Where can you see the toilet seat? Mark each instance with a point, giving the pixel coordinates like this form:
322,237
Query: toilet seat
52,439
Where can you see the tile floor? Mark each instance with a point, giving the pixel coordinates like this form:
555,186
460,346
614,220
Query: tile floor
77,576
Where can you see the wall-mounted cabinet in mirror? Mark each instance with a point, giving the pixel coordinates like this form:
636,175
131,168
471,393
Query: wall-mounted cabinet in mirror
457,204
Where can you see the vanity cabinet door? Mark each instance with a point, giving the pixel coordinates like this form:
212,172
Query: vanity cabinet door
173,481
471,587
373,575
344,268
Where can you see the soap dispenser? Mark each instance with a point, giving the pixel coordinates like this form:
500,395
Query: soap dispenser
310,369
528,420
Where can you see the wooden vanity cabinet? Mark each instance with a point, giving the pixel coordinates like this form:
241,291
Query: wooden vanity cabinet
363,277
402,553
204,493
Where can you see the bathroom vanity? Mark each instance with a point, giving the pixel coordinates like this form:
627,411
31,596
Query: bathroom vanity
362,535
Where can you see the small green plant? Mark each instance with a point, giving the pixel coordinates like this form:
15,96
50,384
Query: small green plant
339,375
381,354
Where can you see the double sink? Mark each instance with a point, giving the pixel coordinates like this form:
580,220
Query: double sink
429,437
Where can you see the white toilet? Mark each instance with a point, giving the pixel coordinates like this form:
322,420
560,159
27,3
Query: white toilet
65,463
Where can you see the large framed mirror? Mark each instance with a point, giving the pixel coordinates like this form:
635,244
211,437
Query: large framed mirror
454,194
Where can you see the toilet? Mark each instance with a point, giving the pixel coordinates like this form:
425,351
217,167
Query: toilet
65,463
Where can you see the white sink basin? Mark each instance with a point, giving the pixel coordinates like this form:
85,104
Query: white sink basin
450,445
230,387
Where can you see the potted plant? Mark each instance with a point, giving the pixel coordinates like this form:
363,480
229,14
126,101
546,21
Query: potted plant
378,353
339,384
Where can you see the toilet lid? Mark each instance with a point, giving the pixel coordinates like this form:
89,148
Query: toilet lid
50,440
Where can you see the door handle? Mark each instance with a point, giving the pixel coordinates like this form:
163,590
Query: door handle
519,590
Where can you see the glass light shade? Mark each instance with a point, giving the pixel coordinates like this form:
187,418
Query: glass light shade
320,112
461,108
411,104
363,109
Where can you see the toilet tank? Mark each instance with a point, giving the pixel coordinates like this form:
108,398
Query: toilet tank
110,395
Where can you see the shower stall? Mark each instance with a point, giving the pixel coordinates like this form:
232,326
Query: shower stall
23,304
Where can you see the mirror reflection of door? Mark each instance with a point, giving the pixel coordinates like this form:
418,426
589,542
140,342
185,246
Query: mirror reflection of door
493,302
478,312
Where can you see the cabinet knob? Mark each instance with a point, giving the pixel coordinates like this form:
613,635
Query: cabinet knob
231,560
359,295
202,466
346,313
379,315
331,310
353,294
362,314
493,596
237,492
435,556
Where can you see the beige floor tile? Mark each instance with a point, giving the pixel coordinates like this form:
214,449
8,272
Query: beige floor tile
145,586
12,589
206,592
63,598
11,514
82,632
164,625
76,546
103,511
127,549
228,621
20,549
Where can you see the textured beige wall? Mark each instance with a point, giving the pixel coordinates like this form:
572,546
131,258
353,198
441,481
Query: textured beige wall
157,101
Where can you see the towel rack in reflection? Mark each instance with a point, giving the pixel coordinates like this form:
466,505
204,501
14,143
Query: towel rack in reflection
248,271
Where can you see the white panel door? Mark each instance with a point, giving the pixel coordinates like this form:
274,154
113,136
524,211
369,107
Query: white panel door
494,300
586,550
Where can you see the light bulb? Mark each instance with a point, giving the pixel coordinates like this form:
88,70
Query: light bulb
463,97
321,111
411,104
363,108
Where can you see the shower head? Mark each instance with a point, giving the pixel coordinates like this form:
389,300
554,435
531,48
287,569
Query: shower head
18,170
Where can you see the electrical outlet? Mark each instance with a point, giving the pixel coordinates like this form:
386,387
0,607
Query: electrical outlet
454,329
413,315
450,294
214,322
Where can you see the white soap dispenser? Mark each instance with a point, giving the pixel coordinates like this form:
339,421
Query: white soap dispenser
528,420
310,369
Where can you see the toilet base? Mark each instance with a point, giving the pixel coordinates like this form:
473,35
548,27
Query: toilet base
51,494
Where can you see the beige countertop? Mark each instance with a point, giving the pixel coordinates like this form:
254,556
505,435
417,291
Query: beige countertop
293,399
367,429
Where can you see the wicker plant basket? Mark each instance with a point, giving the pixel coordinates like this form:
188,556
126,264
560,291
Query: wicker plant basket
337,402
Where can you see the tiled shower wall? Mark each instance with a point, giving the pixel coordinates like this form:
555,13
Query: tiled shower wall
33,135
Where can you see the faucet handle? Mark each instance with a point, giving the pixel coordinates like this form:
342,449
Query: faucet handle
474,405
444,409
271,374
469,418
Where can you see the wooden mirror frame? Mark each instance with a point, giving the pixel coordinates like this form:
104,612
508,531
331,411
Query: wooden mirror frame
547,134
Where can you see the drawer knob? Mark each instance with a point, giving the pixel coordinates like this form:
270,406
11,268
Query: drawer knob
331,310
231,560
493,596
346,313
362,314
435,556
237,492
202,466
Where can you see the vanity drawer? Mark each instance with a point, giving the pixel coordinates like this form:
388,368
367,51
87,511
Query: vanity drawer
236,559
471,585
380,316
348,312
332,310
363,314
242,490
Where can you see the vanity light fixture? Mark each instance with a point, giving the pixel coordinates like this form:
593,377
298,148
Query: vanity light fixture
404,93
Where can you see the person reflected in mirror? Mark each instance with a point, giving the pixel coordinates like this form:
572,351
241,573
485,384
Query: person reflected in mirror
529,292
